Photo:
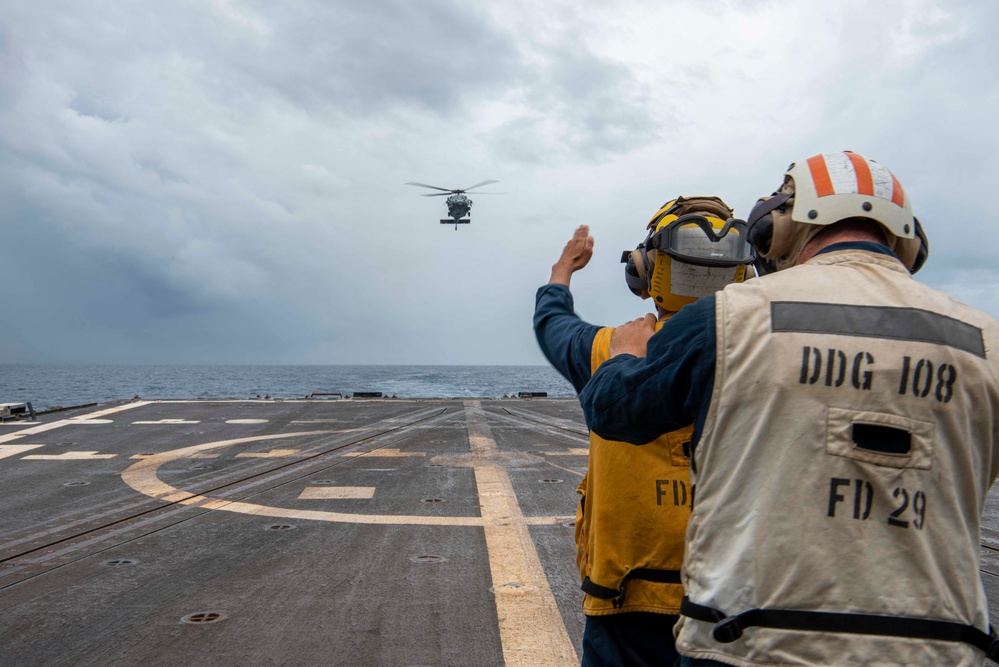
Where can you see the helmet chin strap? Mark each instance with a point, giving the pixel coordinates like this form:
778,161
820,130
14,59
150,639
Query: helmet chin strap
782,238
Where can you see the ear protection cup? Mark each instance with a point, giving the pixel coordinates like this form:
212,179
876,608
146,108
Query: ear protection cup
641,261
784,235
923,253
761,233
915,251
769,227
636,271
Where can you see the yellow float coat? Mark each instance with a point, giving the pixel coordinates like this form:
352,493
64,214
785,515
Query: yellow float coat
633,512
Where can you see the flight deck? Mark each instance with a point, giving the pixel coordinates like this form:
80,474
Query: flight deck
385,532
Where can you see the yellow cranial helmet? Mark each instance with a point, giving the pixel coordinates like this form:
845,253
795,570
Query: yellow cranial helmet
693,249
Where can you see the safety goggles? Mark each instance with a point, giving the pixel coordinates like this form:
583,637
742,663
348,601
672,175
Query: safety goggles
692,239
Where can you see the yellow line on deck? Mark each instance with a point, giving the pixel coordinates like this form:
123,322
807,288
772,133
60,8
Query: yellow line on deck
531,628
143,477
385,452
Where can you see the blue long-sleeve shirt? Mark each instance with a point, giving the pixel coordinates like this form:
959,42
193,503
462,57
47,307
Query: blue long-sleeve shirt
636,400
564,338
567,343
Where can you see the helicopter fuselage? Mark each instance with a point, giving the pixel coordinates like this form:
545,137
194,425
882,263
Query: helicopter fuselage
458,206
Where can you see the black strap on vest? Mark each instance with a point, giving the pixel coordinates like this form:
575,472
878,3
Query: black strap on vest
729,628
617,594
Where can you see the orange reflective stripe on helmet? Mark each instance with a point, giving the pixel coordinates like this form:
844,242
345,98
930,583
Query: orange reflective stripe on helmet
865,186
820,176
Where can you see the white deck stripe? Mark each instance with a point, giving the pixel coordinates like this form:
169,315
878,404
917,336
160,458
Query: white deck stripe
42,428
14,450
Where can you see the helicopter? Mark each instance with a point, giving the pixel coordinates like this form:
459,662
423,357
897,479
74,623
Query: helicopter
458,204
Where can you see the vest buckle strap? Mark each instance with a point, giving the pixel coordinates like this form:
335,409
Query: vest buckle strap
596,590
727,631
699,612
993,650
617,595
619,600
730,628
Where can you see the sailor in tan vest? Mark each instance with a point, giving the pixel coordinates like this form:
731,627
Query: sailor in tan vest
635,502
837,503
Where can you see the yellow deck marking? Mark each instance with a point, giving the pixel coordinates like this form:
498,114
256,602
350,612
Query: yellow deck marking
568,470
141,476
273,454
572,451
337,492
387,452
139,457
14,450
168,421
531,628
68,456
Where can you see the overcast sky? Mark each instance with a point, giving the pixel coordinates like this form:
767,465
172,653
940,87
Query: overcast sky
223,181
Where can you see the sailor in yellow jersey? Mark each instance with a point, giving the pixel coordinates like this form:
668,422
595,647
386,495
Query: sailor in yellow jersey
635,501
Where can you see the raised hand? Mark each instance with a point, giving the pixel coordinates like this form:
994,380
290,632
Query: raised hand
575,255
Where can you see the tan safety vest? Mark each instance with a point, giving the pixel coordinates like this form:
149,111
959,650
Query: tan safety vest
851,477
631,518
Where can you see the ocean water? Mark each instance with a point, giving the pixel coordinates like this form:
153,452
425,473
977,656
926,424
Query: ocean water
52,385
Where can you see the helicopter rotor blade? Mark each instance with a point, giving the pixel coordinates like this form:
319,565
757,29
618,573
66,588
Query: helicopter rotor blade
437,194
485,193
478,185
432,187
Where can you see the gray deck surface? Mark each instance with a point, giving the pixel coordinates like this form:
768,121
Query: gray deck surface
341,532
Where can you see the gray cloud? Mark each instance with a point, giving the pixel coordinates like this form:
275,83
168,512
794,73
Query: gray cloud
224,181
582,107
367,57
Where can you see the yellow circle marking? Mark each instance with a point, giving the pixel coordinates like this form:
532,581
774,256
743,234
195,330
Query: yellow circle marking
142,476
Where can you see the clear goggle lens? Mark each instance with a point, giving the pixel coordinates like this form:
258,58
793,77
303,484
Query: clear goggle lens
693,239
